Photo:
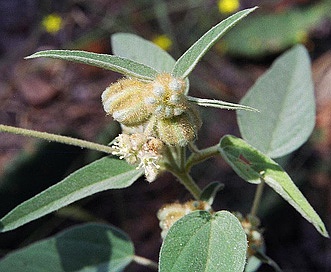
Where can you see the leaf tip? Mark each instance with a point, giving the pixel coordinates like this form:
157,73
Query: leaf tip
322,230
248,108
30,57
253,8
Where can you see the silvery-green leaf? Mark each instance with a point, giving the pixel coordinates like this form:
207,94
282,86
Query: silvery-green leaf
86,248
103,174
117,64
284,95
133,47
213,103
252,165
186,63
204,242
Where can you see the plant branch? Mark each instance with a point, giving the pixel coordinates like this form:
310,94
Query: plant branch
145,262
176,164
182,157
56,138
257,197
171,162
201,155
189,184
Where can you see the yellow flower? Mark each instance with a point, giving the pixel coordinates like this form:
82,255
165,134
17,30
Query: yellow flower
163,41
301,37
228,6
52,23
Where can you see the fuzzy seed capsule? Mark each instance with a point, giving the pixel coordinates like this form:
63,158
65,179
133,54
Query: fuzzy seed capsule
125,101
160,107
166,96
179,130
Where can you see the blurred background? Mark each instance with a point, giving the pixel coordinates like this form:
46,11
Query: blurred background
60,97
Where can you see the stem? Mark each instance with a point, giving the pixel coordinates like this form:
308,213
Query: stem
201,155
145,262
171,163
189,184
193,148
176,164
56,138
182,157
257,197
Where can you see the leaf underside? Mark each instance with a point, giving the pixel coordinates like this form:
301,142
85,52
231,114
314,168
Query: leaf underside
252,165
109,62
103,174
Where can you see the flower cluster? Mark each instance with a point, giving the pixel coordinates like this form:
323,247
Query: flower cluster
160,107
251,225
170,213
146,152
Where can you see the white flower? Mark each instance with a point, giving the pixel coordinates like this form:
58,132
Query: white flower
149,161
123,149
142,150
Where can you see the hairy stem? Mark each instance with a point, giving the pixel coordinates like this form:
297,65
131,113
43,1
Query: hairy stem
176,164
201,155
189,184
182,157
257,197
56,138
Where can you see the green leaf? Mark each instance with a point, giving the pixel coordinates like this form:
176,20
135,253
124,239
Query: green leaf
106,173
203,242
135,48
284,95
108,62
91,247
251,165
209,192
186,63
213,103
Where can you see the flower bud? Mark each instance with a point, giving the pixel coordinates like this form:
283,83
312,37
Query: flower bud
179,130
124,100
